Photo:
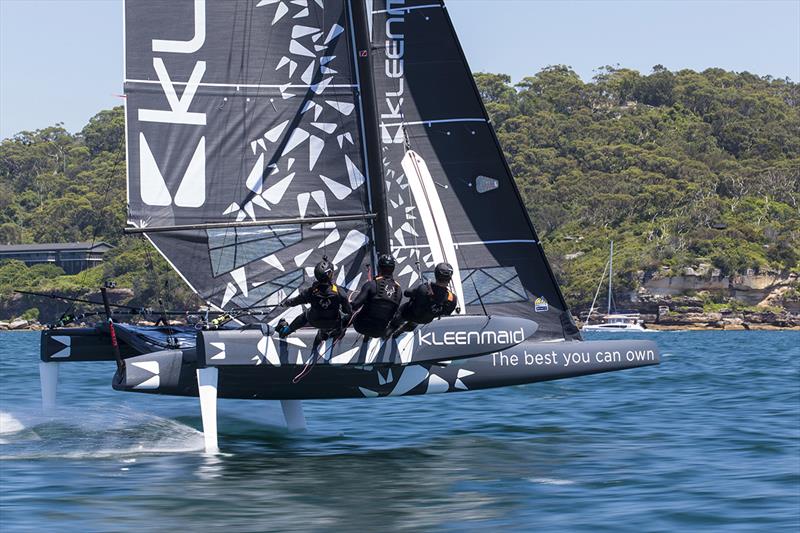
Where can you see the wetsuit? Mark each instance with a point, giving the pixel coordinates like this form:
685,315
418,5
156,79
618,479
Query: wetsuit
427,301
376,305
329,309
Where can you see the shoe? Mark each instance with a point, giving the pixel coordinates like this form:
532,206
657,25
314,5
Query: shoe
282,328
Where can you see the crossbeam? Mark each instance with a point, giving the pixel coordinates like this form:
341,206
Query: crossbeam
251,223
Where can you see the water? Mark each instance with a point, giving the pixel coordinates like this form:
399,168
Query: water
708,441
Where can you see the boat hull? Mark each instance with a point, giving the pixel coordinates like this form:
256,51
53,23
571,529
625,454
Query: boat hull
449,355
524,363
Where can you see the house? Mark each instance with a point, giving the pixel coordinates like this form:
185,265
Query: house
73,257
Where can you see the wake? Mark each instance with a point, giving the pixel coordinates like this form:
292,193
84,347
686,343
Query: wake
92,433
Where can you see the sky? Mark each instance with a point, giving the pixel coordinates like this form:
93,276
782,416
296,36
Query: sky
61,60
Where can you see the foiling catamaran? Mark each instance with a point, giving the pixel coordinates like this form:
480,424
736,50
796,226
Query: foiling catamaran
263,135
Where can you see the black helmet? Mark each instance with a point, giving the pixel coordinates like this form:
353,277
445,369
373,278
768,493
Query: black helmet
443,272
386,263
323,271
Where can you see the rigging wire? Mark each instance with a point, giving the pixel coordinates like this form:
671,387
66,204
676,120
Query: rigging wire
597,293
95,231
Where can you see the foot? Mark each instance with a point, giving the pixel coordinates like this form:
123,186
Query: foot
282,328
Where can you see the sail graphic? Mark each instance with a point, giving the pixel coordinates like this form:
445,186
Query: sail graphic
245,155
428,103
434,220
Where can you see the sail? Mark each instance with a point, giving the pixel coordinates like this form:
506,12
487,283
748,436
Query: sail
244,146
446,174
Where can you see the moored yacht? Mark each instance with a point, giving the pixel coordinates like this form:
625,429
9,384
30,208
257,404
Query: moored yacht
618,322
612,320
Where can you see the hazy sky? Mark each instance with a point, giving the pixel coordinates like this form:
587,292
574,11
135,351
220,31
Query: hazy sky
61,60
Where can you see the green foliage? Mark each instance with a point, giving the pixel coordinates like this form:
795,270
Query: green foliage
676,167
59,187
30,314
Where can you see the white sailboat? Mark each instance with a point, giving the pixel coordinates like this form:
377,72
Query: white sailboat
612,320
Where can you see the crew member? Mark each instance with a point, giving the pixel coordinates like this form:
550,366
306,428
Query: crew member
377,301
427,301
329,308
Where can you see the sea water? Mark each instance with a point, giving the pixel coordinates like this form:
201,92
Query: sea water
707,441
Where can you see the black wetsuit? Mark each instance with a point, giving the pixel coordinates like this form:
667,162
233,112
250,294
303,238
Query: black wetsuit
427,301
329,309
376,306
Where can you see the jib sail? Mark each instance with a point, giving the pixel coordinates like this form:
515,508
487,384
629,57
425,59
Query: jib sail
442,162
245,155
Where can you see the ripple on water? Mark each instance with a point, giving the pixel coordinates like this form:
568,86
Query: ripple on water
707,441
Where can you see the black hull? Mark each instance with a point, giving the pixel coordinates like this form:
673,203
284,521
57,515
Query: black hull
251,365
475,373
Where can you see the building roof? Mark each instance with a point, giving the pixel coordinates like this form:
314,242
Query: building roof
55,247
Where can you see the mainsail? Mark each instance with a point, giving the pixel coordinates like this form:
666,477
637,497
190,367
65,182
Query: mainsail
245,154
428,104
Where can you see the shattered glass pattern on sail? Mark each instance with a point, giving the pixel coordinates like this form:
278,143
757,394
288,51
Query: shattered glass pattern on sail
253,119
231,248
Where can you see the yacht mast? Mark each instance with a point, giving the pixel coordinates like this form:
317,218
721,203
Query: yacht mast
363,52
610,275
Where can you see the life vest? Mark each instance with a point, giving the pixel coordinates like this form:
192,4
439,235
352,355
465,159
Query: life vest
381,308
326,304
437,301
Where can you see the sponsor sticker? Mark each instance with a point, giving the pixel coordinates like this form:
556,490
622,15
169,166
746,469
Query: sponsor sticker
540,305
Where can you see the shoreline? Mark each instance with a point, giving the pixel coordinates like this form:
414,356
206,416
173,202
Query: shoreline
727,327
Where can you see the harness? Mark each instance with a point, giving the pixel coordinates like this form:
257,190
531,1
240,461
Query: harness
381,307
325,302
388,290
434,306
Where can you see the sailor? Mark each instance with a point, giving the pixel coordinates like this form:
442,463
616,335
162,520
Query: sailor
329,308
377,301
427,301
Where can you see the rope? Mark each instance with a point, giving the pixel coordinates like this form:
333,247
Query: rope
95,231
597,293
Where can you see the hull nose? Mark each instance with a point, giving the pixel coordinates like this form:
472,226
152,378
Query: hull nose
156,372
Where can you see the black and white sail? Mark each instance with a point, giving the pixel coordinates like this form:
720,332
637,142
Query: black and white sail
246,116
240,113
450,193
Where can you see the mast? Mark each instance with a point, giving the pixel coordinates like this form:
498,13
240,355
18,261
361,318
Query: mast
363,58
610,275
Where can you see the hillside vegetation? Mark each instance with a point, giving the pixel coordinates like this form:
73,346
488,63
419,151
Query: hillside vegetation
678,168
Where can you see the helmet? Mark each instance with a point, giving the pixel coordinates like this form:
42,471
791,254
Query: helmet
323,271
386,263
443,272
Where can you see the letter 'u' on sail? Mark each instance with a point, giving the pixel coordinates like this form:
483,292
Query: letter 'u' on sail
434,218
